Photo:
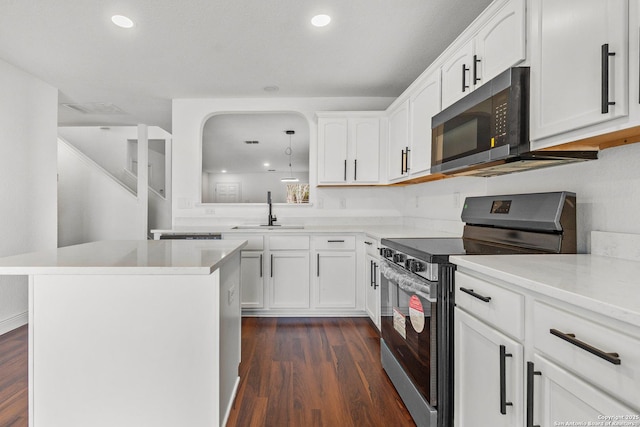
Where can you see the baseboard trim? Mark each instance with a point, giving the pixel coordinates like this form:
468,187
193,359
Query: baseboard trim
231,401
14,322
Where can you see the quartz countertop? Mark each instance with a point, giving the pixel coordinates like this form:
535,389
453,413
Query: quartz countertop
373,231
126,257
609,286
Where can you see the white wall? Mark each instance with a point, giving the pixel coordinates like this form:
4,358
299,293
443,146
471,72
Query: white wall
376,205
28,125
92,205
607,191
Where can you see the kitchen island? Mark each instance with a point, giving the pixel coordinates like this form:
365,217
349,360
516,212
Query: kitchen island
132,333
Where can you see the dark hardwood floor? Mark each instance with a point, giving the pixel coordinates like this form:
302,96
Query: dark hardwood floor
295,372
14,396
314,372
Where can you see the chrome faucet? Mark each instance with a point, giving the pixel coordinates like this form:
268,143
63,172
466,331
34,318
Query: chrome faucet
272,218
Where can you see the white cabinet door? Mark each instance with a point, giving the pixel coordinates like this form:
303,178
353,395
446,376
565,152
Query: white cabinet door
398,165
332,150
424,105
500,43
558,397
252,279
335,279
289,277
457,75
364,141
372,293
488,384
567,67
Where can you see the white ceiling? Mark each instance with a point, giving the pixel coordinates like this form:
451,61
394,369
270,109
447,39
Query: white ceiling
223,48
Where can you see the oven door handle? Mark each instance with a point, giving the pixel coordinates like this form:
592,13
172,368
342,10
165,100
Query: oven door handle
475,295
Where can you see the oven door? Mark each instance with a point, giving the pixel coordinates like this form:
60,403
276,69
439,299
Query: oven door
409,327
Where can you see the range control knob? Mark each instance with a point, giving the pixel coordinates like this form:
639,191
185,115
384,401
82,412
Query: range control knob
399,257
416,266
386,252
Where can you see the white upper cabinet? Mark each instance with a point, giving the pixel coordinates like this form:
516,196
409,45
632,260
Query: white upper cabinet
348,150
364,135
423,105
497,44
457,73
399,151
579,64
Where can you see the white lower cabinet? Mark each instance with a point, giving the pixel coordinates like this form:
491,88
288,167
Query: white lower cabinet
252,279
372,289
488,375
289,279
335,276
570,367
557,397
335,280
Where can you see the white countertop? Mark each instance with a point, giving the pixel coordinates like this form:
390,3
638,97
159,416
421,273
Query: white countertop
609,286
373,231
126,257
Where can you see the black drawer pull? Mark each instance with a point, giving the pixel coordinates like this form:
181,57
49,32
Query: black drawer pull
503,380
473,294
368,243
335,241
571,338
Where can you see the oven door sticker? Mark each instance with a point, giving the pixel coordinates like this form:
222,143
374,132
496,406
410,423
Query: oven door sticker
416,313
399,322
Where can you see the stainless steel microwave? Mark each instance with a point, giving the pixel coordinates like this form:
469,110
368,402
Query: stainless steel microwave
489,124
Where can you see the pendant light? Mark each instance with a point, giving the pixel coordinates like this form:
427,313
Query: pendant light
288,151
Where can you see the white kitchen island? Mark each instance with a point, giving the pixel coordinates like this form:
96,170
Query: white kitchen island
132,333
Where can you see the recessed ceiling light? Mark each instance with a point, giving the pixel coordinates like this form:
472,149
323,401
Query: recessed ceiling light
266,164
223,171
122,21
320,20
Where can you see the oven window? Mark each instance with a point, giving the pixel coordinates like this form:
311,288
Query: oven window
408,326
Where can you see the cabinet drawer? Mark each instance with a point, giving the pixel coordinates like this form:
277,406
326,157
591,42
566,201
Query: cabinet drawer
495,305
372,246
334,242
254,243
288,242
621,380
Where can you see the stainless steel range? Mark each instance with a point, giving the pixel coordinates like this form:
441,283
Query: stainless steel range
417,289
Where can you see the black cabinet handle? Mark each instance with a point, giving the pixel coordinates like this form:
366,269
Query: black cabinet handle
335,241
345,169
402,157
406,161
530,375
271,269
476,295
476,61
571,338
605,78
260,265
464,78
503,380
355,170
371,273
375,276
317,265
368,243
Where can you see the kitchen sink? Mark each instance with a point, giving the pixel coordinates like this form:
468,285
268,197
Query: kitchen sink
268,227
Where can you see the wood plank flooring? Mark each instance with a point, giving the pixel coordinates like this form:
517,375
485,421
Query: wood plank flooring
295,372
314,372
14,397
